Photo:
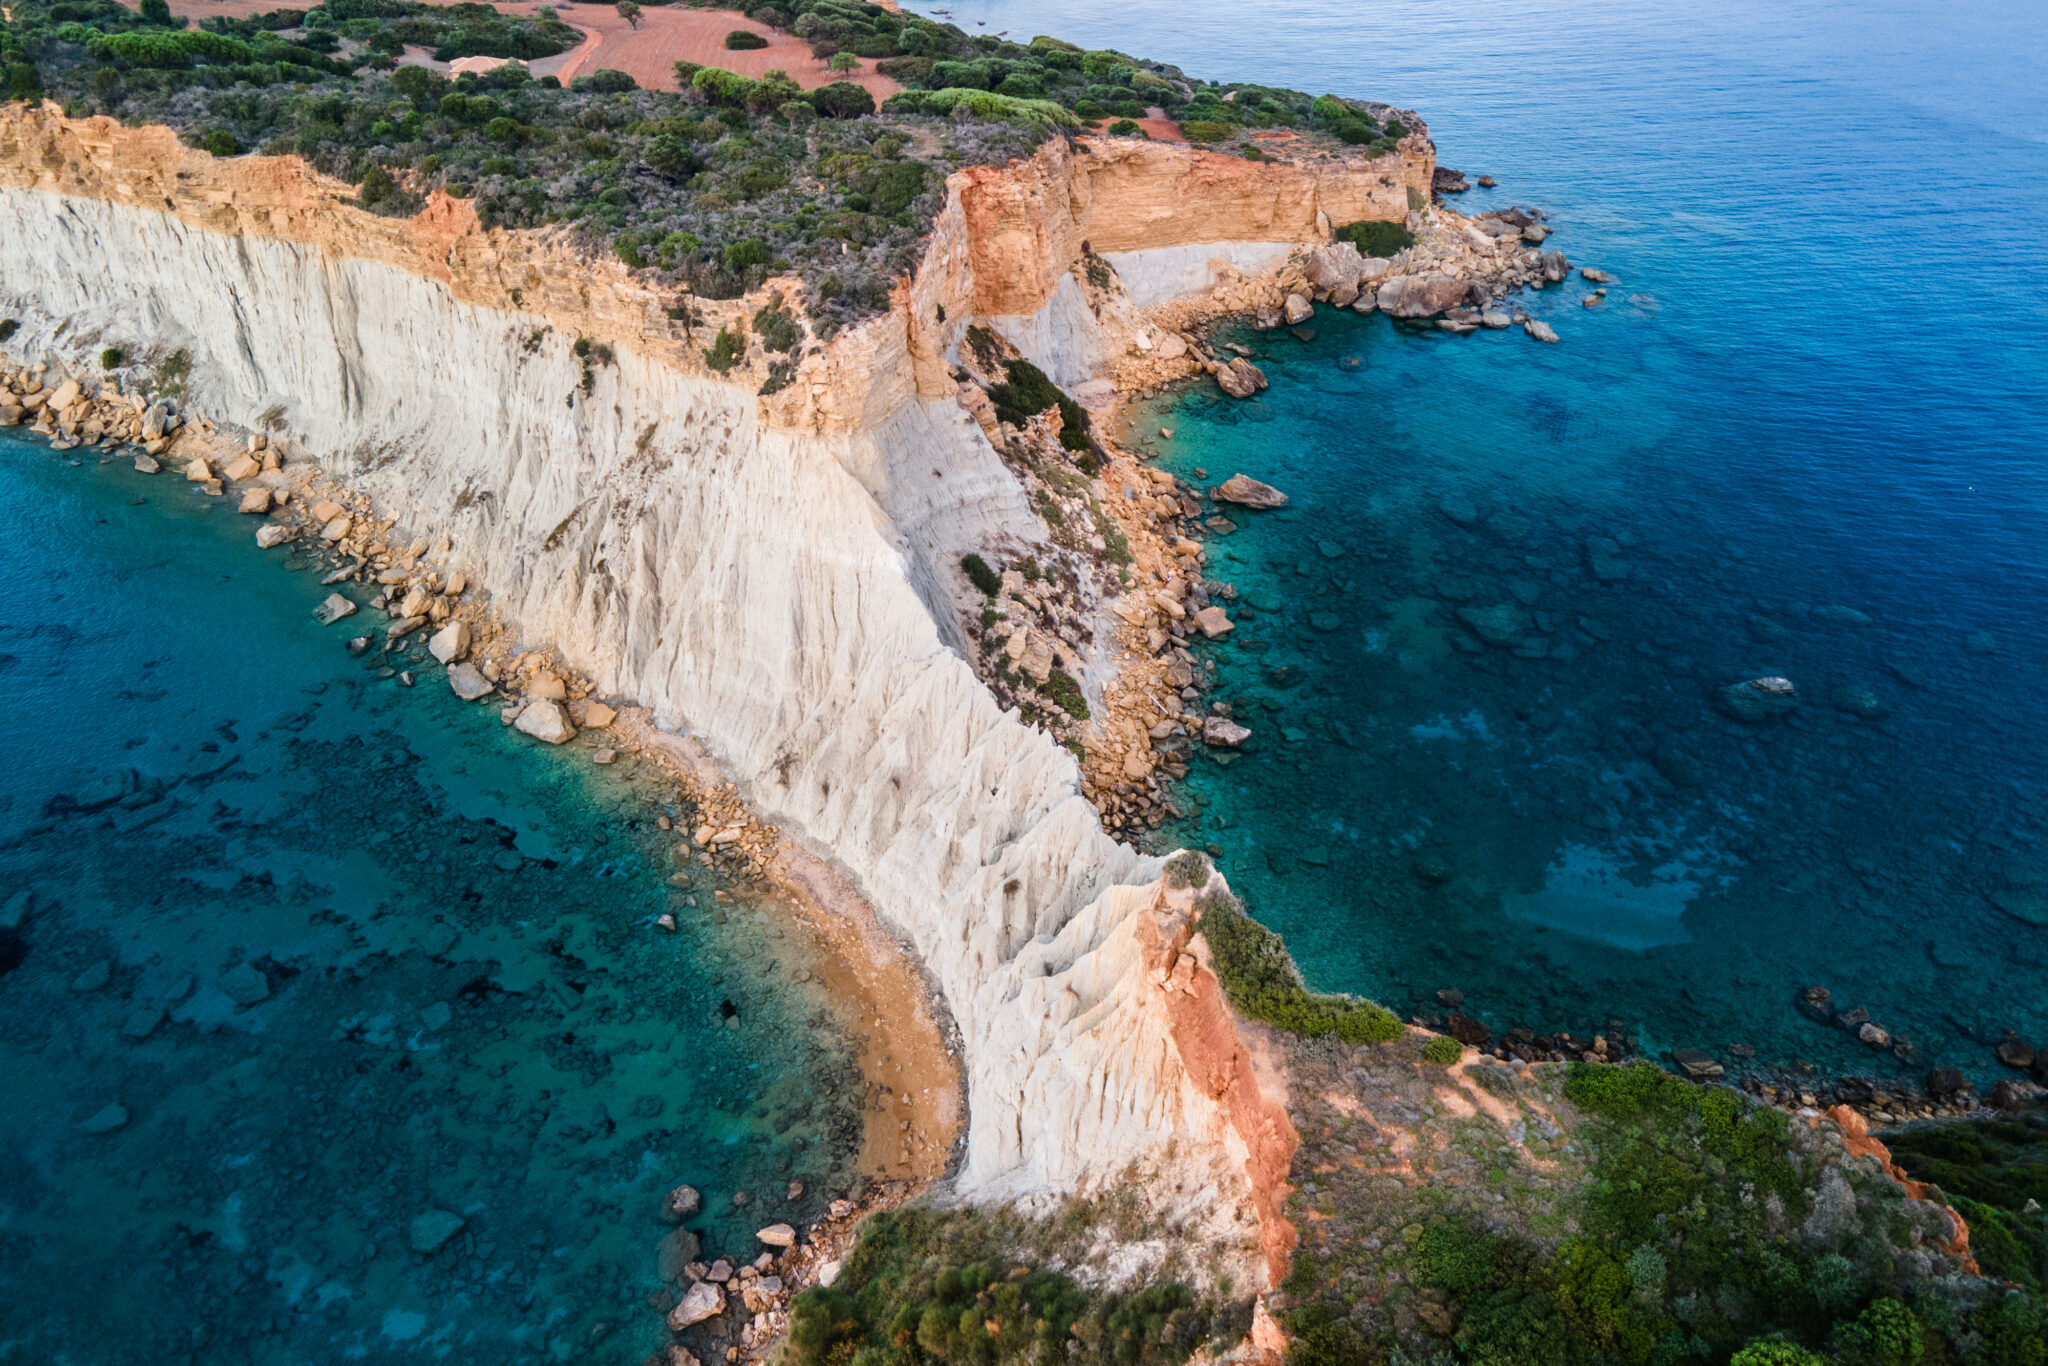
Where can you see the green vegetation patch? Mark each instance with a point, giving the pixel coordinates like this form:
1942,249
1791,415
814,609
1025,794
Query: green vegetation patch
1996,1175
972,1288
1261,980
1026,392
1376,237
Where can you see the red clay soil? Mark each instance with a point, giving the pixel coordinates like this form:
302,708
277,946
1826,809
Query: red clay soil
649,53
1857,1140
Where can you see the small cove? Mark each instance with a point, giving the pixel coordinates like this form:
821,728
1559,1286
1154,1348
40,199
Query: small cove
316,965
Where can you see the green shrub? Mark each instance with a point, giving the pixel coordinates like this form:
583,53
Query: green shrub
1376,237
1261,981
964,1288
1202,130
726,350
1885,1334
8,327
221,143
1454,1258
1776,1352
744,40
748,251
605,81
1125,128
111,358
776,328
1188,868
1443,1050
842,100
1066,694
1026,392
1353,132
980,575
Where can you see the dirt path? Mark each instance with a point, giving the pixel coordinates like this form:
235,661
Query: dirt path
648,53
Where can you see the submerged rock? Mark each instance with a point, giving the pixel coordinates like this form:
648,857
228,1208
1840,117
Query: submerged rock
1859,702
1698,1066
245,985
106,1121
1759,700
1541,331
1504,625
429,1231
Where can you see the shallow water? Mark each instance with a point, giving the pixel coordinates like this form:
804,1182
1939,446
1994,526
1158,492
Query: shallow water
465,1006
1810,418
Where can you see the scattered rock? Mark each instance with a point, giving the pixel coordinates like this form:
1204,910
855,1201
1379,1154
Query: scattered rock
335,529
677,1250
597,716
1248,492
2015,1052
680,1203
105,1121
1817,1003
255,501
1540,330
431,1230
1297,310
777,1235
1504,625
245,985
1421,296
144,464
198,473
1468,1031
272,535
469,682
333,609
1605,558
1946,1083
547,687
545,720
1760,699
1213,623
1240,378
450,643
1698,1066
703,1300
1224,733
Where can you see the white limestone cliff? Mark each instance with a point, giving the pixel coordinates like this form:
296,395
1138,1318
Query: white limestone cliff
770,576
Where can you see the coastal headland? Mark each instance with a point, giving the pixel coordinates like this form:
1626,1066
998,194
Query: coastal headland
914,630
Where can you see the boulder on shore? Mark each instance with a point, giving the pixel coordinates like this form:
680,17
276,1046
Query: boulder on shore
1421,296
450,643
334,609
701,1301
544,720
1248,492
1224,733
1240,378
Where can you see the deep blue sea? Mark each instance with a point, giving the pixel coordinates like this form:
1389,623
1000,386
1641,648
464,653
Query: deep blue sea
1806,434
352,969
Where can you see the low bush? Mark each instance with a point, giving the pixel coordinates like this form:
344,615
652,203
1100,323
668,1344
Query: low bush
980,575
744,40
1188,868
1261,981
1376,237
1125,128
1026,391
968,1288
1443,1051
1066,694
727,349
111,358
1202,130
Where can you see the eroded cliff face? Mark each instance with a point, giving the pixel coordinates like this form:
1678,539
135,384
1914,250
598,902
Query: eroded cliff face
764,572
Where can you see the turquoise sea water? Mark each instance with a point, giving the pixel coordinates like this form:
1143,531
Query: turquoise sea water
1810,423
467,1010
